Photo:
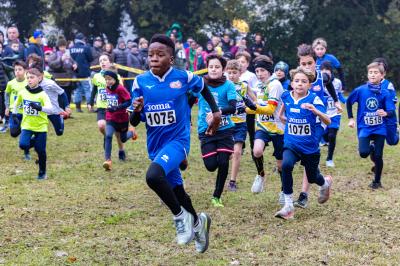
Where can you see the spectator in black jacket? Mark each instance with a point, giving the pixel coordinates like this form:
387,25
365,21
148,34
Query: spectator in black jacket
143,51
121,56
97,50
82,55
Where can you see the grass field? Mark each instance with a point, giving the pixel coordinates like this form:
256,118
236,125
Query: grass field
83,215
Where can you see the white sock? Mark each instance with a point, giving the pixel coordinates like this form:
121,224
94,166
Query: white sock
198,227
180,215
325,185
288,199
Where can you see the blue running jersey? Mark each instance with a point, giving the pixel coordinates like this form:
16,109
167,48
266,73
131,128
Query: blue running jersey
301,124
317,87
368,121
166,109
387,85
330,58
222,95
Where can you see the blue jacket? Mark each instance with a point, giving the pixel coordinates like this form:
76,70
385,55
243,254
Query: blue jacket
34,49
82,55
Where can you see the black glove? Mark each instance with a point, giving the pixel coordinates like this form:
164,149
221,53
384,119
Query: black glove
249,104
112,109
35,106
240,110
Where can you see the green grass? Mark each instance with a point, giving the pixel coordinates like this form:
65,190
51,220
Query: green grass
102,218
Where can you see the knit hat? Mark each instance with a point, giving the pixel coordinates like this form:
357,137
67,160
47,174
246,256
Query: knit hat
282,66
264,64
111,74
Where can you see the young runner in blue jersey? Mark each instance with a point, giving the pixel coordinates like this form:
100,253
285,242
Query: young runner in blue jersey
281,70
307,59
374,104
299,112
160,100
217,149
392,136
331,130
319,46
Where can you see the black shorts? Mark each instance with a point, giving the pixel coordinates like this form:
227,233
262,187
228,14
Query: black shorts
119,127
277,141
101,114
222,141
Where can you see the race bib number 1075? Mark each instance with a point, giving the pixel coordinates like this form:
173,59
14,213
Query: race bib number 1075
158,115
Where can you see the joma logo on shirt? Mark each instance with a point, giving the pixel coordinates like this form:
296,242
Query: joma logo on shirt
157,107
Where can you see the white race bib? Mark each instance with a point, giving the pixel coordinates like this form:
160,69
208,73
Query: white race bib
299,129
112,100
102,95
29,110
159,115
373,120
224,121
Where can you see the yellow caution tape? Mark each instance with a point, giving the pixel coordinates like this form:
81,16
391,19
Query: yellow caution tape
134,70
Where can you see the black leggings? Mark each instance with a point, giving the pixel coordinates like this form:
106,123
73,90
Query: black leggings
330,137
375,151
218,161
175,197
250,121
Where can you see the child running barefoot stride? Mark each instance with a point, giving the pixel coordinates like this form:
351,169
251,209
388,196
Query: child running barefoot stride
301,141
36,104
118,99
161,102
374,104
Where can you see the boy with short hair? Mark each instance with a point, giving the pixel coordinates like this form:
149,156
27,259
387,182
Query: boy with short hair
374,105
239,118
13,88
392,136
161,101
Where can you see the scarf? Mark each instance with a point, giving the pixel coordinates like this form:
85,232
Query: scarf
376,88
214,82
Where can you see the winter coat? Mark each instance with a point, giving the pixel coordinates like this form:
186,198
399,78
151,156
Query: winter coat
82,55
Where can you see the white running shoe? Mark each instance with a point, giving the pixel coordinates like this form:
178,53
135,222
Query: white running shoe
201,237
330,163
258,184
184,228
324,193
287,212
